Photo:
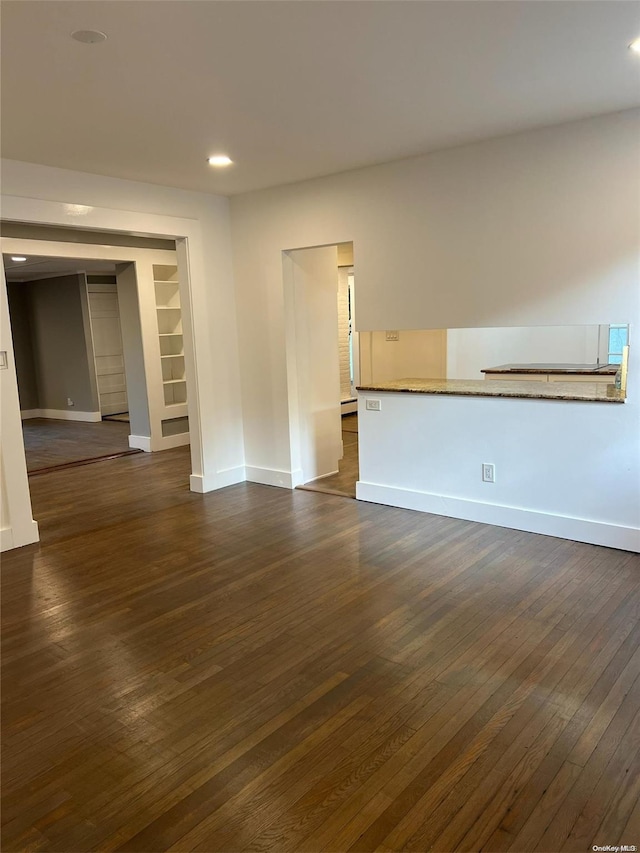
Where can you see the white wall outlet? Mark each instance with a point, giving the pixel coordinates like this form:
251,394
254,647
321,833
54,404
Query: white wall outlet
70,402
488,472
373,405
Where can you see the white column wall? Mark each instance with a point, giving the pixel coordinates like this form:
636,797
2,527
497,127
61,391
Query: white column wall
17,526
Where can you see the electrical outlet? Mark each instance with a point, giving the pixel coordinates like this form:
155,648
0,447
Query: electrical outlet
488,472
373,405
70,402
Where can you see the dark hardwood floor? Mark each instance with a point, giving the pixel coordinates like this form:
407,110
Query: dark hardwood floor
49,442
259,669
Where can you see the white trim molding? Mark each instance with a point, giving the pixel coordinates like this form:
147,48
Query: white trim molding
516,518
274,477
62,415
168,442
140,442
27,536
222,479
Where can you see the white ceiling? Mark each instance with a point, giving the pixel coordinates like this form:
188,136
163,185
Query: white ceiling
36,267
298,88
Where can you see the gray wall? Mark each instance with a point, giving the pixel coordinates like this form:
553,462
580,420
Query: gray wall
23,345
61,366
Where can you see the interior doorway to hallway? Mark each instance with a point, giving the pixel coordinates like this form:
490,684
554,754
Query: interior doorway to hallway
99,348
323,367
69,357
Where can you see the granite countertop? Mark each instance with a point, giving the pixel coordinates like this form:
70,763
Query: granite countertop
592,392
580,369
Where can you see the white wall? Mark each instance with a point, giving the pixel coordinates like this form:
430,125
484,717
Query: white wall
91,201
538,228
471,350
311,288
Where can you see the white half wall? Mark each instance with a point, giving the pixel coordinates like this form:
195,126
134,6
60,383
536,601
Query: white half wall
426,452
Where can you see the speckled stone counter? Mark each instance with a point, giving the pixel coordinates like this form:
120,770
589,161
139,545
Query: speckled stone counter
589,392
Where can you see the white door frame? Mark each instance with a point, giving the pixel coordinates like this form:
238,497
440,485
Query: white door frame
188,237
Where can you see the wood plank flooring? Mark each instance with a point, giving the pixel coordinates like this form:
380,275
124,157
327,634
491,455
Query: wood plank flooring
266,670
49,442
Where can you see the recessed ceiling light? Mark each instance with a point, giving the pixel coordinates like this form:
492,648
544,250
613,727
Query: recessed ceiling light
220,160
635,45
89,36
18,258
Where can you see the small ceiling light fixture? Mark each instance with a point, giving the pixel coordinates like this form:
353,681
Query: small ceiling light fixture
219,160
18,258
635,45
89,36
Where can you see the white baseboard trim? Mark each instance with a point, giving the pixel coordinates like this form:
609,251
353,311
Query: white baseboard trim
220,480
62,415
531,521
27,536
140,442
273,477
6,539
230,476
167,442
324,476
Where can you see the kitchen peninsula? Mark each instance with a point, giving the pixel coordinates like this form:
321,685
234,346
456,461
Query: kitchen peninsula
424,444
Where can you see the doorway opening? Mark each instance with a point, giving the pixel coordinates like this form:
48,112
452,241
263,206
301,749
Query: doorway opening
322,367
98,345
69,355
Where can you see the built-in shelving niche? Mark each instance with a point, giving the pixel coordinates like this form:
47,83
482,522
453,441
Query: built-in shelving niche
169,315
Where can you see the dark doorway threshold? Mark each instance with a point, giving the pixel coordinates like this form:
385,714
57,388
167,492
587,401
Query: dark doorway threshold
78,462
